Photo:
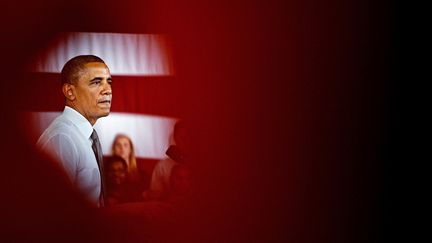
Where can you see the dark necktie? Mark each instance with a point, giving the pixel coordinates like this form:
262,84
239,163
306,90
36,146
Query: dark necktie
97,149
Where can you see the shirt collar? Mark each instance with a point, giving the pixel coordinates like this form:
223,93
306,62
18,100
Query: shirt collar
79,121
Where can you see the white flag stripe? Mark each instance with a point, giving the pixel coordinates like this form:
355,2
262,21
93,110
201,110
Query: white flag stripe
125,54
151,135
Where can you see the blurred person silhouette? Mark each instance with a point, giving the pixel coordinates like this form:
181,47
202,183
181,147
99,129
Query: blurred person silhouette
160,180
120,189
122,146
180,190
71,138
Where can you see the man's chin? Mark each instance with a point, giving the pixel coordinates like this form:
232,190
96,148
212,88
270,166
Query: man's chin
104,114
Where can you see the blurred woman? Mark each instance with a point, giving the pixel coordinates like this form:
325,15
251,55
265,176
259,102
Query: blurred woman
123,147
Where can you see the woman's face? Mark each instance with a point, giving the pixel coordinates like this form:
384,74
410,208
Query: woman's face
122,148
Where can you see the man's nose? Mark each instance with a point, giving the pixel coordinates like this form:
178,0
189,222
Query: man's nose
107,89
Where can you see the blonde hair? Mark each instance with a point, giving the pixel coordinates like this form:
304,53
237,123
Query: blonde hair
132,164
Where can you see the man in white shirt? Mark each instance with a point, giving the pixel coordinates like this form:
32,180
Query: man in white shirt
70,139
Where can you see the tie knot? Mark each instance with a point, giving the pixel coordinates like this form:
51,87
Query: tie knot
94,136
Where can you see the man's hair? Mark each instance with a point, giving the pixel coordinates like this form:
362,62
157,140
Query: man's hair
71,70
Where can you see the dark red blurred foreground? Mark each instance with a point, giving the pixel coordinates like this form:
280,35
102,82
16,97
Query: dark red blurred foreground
290,107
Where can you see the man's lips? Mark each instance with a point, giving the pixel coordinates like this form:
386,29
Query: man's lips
104,101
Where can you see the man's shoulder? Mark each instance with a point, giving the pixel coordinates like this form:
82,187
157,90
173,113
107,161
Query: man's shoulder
60,127
166,162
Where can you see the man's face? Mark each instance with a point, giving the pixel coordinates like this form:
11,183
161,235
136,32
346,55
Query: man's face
93,92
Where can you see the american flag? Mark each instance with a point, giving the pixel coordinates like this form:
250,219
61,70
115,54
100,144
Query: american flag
143,102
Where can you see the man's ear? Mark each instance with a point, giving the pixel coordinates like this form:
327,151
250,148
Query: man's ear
69,91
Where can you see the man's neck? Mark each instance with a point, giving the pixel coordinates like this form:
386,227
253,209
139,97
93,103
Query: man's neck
91,120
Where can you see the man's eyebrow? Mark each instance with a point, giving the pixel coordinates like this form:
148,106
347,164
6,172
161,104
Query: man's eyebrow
96,79
100,79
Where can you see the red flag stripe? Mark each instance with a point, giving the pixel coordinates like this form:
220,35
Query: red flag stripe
142,95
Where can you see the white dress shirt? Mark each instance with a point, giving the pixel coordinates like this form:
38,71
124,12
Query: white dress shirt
160,180
67,140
